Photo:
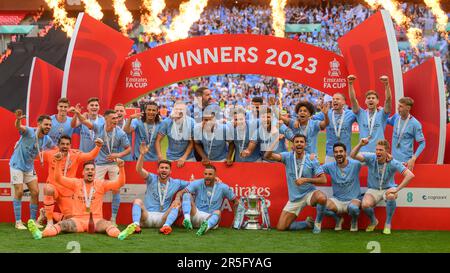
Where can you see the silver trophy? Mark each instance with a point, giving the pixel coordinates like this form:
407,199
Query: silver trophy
251,207
253,211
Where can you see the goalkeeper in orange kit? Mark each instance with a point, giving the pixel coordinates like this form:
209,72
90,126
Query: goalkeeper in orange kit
87,211
55,193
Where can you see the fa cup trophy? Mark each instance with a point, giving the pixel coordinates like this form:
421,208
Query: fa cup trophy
251,207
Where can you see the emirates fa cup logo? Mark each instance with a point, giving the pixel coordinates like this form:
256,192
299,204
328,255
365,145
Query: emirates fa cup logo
136,70
334,69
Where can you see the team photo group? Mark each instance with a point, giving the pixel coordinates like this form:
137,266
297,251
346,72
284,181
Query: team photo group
208,133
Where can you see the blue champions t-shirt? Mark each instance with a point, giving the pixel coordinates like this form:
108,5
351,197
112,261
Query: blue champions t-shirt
214,143
242,138
265,139
312,131
345,182
375,171
145,132
346,129
87,137
378,124
152,197
311,169
110,145
60,129
209,199
26,150
413,131
179,136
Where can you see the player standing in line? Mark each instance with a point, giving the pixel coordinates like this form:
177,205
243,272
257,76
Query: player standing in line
87,136
245,143
306,125
32,143
406,129
146,127
372,121
121,122
340,127
61,122
211,138
179,130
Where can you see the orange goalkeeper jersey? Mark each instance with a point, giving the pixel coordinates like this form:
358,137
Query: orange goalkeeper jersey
100,188
75,157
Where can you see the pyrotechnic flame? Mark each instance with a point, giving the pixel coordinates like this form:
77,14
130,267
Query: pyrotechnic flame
278,24
150,21
93,9
60,16
280,94
278,16
414,34
441,17
123,14
189,13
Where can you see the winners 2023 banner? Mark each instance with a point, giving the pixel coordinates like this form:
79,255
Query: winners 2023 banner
230,54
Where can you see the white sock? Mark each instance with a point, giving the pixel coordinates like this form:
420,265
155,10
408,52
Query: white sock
187,216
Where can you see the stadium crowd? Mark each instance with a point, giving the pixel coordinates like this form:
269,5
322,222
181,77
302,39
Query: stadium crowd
335,21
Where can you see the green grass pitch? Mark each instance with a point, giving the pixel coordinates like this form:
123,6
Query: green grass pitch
227,240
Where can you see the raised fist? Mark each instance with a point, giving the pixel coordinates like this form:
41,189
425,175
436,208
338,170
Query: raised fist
98,142
19,114
351,78
384,79
120,162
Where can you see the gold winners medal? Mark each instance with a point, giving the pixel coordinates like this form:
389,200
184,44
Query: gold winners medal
88,210
160,208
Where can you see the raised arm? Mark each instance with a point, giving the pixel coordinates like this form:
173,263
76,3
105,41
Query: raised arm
94,152
18,123
286,120
75,121
318,180
159,138
351,91
355,151
324,109
143,149
66,182
270,155
117,184
388,94
82,119
231,149
128,128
